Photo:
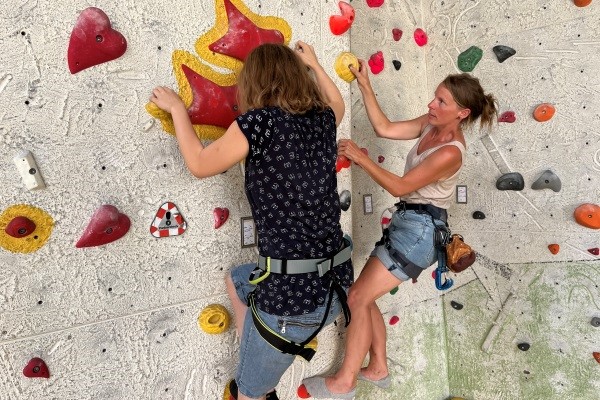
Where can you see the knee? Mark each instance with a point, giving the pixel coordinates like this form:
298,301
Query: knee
357,299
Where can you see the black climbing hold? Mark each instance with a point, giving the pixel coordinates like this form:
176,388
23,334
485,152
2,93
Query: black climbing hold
478,215
595,322
397,64
548,180
345,200
510,181
456,305
523,346
503,52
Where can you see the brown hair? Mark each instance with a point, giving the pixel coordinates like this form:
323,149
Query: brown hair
468,93
273,75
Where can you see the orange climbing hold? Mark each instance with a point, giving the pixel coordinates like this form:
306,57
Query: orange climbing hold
554,248
582,3
303,393
596,356
588,215
544,112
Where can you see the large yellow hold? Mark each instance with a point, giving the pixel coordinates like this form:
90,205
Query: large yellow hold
214,319
341,66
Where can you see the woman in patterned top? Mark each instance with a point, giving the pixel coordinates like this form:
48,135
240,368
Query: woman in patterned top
425,190
287,136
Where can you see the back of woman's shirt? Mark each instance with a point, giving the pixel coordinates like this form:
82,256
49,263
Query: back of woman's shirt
291,185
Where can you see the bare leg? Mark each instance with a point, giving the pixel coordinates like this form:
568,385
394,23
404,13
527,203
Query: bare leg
374,281
377,367
239,307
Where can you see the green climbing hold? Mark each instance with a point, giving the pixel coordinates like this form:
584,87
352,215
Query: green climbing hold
468,59
394,290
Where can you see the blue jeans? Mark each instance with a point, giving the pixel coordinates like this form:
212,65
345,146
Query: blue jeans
411,234
261,365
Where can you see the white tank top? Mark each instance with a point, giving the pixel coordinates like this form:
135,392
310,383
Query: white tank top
438,193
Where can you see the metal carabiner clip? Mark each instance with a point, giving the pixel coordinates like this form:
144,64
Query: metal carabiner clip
446,284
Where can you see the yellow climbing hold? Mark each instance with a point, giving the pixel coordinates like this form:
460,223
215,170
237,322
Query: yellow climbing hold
344,60
31,242
214,319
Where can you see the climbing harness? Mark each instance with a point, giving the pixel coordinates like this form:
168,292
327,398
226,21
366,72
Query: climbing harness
441,239
268,265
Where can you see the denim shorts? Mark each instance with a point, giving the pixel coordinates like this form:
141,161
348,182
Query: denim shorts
261,365
411,234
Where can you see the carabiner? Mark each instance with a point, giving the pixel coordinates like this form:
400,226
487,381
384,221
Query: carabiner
446,284
259,274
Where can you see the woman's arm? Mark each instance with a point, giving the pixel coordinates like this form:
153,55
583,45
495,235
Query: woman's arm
442,163
330,91
403,130
201,161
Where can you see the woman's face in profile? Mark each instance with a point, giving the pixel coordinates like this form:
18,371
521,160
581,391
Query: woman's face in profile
443,109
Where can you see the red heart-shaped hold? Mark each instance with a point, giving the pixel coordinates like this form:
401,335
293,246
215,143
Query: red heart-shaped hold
36,368
93,41
376,62
397,34
20,227
220,215
341,23
107,225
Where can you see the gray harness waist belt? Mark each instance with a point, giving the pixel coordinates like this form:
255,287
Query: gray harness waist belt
320,265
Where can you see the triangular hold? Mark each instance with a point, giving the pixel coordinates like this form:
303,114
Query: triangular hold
168,221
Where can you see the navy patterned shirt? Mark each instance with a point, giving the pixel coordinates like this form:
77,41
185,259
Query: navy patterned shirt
291,185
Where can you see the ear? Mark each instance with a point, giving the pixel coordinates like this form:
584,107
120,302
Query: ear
464,113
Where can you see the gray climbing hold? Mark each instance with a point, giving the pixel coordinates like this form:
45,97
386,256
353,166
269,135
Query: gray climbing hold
503,52
595,322
345,200
478,215
523,346
510,181
548,180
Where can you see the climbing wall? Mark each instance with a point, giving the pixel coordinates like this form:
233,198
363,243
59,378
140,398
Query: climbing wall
110,248
522,323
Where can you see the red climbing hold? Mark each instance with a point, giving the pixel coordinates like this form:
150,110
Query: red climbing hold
36,368
554,248
394,320
588,215
303,393
582,3
374,3
420,37
107,225
376,62
508,116
341,23
20,227
595,251
397,34
341,163
380,159
93,41
596,356
220,215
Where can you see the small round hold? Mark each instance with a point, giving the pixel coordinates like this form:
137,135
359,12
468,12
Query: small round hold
478,215
595,322
20,227
456,305
345,200
523,346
